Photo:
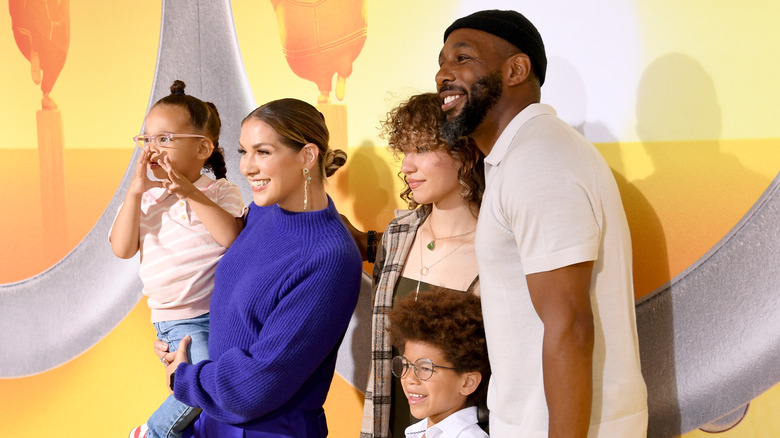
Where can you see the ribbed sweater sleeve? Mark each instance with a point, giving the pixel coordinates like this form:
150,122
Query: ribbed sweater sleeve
284,295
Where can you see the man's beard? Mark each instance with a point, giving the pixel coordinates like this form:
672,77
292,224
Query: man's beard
482,97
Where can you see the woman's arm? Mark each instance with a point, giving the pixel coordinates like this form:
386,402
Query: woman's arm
296,339
367,242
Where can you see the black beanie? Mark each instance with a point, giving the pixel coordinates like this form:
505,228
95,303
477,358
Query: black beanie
511,26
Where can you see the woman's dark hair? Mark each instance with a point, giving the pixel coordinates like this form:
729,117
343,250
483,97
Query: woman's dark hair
299,123
415,124
203,117
450,321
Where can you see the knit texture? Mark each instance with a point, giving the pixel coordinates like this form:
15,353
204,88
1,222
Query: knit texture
284,294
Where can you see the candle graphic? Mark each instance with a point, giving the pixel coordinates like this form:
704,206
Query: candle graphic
322,38
41,29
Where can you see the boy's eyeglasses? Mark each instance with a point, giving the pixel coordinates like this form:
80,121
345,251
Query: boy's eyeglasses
160,140
423,368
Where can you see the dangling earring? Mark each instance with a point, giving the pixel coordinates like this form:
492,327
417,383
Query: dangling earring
306,181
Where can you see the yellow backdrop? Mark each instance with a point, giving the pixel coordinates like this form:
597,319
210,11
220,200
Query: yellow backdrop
683,107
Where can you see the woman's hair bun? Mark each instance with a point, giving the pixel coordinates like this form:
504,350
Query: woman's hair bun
178,87
333,160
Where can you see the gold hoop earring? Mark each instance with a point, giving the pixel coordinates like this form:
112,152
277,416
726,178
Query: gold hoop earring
306,181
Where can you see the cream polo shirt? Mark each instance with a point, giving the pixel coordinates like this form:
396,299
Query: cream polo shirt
551,201
178,254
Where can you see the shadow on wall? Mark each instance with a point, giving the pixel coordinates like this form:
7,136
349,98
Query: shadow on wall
566,92
365,190
369,180
692,188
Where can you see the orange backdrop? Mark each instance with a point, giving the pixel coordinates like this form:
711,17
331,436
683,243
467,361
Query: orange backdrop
686,116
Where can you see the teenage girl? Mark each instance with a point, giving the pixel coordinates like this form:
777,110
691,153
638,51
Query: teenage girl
182,224
429,247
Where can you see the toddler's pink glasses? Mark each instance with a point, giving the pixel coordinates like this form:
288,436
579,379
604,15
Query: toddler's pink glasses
160,140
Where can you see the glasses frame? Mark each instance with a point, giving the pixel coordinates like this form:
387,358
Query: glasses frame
156,138
417,366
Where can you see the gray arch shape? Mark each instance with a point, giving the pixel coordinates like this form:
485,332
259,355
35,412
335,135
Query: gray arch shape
723,348
719,356
51,318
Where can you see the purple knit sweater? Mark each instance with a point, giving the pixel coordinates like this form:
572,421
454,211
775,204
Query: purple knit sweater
283,296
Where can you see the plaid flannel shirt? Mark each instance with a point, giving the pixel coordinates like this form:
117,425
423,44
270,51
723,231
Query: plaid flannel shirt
391,257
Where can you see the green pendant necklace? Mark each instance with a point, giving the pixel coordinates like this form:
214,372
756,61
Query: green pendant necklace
432,244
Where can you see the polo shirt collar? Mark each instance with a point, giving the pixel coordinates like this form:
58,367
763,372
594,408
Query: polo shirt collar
501,146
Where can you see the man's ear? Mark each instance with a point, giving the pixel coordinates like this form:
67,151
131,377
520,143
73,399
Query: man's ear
205,148
471,381
520,70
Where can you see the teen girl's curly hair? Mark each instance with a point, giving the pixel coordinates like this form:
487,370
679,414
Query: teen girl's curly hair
414,125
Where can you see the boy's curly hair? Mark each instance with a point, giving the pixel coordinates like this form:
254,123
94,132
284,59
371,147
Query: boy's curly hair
450,321
414,125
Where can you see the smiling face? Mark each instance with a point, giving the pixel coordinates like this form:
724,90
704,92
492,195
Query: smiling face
274,170
183,151
440,396
432,175
469,80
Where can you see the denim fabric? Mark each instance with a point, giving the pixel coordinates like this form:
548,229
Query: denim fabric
297,423
170,419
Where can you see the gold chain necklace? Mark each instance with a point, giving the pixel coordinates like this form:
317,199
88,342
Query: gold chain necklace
432,244
425,270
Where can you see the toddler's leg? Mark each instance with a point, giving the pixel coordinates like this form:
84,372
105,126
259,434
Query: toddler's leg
170,419
173,416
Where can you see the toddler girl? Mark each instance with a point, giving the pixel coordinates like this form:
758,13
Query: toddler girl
182,225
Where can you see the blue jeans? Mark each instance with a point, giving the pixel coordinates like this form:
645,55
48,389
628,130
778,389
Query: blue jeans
173,416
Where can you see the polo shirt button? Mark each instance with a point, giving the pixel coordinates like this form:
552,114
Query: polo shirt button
184,216
181,203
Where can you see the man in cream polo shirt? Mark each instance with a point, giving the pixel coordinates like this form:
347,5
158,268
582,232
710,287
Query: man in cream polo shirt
553,244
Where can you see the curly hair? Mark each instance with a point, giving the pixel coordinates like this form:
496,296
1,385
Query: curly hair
414,125
450,321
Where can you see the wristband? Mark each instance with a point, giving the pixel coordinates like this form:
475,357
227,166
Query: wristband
371,246
173,375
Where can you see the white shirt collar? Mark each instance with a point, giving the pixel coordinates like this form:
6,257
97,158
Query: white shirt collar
448,427
505,139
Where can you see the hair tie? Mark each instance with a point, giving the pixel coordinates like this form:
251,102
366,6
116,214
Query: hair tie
178,91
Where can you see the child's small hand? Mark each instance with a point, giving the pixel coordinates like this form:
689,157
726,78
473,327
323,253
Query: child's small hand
176,184
141,182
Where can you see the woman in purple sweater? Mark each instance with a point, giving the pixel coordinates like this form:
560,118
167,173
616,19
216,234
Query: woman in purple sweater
284,292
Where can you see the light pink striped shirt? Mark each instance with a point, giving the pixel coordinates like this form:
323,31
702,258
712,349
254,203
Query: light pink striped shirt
178,254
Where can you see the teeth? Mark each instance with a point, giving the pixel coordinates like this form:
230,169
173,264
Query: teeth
259,183
449,99
416,395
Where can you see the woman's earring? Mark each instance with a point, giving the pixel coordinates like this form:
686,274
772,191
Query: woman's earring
306,181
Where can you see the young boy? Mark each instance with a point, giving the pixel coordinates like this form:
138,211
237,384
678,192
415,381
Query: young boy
444,361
